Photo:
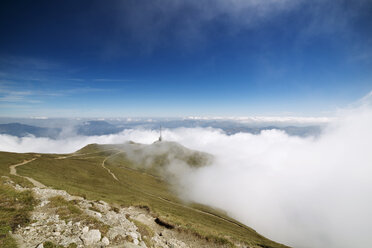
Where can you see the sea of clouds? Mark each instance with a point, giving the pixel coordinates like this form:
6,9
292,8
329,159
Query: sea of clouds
304,192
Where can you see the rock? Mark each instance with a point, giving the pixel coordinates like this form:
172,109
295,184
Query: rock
85,229
91,237
135,241
43,203
49,226
134,235
105,241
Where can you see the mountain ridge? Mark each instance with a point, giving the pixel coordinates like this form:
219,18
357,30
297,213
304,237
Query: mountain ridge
80,173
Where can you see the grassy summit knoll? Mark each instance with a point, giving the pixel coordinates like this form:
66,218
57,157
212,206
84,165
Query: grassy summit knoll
131,174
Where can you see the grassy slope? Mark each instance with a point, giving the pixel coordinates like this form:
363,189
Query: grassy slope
83,175
15,210
14,206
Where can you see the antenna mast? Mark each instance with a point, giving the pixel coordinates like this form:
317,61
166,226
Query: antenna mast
160,137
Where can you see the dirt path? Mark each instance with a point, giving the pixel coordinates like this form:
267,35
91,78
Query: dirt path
108,170
90,153
13,171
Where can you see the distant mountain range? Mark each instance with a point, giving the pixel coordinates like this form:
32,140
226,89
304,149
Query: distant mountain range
22,130
94,127
90,128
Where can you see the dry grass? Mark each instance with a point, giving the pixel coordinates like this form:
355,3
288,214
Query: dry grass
15,208
146,232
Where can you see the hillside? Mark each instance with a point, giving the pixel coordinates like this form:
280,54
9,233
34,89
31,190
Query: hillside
105,182
152,159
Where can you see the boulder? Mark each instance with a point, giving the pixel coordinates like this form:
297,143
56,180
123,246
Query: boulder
91,237
105,241
134,235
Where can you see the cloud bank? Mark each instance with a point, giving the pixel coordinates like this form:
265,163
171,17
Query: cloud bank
304,192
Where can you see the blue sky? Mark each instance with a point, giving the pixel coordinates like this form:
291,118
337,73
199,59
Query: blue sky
179,58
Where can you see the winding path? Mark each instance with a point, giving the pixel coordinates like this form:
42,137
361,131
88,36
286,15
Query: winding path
108,170
103,163
13,171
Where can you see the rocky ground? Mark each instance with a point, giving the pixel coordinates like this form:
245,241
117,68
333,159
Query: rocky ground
126,227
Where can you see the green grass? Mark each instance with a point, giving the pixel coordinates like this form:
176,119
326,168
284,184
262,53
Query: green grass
146,232
15,210
7,159
83,175
49,244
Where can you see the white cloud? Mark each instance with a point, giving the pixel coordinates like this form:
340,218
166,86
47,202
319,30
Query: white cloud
268,119
302,192
39,117
70,144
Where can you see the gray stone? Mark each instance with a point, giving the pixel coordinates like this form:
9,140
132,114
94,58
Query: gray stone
105,241
134,235
91,237
135,241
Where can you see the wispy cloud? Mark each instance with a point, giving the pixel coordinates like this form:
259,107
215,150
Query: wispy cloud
28,62
82,90
184,23
267,119
76,79
8,95
187,23
9,92
111,80
17,98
